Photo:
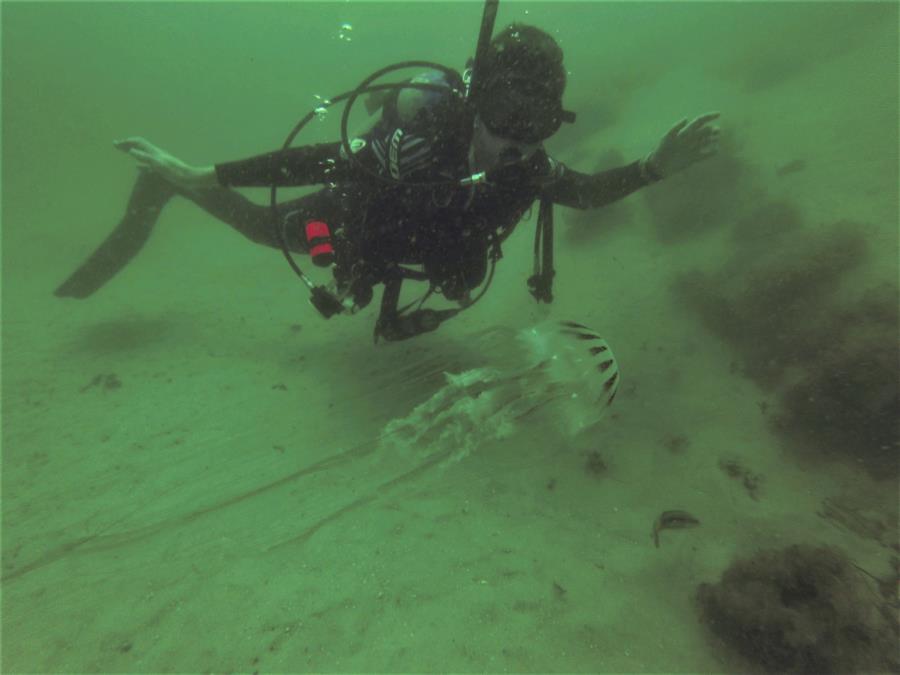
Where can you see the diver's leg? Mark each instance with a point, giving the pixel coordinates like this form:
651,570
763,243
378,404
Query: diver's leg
148,196
255,221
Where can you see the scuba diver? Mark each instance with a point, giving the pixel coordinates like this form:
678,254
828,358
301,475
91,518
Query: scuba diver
439,181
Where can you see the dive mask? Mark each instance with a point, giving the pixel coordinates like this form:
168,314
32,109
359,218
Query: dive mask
520,109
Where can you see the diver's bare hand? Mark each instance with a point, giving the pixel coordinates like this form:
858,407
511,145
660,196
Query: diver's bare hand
168,166
685,144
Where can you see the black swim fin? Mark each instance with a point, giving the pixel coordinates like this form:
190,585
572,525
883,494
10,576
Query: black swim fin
150,194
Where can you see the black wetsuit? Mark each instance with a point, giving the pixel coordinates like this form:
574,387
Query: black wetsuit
445,228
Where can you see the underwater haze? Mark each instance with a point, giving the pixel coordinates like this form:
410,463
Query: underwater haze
201,474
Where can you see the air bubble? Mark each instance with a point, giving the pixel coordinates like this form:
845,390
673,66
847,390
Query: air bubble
321,110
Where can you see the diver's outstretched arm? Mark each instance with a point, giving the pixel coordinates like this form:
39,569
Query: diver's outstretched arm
200,184
175,171
685,144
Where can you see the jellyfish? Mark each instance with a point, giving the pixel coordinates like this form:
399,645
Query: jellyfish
561,372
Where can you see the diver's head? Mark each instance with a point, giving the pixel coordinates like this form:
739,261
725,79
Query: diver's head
519,85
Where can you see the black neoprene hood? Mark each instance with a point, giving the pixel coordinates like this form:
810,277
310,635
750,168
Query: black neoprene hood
522,52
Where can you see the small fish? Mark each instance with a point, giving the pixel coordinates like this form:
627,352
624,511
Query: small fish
672,520
791,167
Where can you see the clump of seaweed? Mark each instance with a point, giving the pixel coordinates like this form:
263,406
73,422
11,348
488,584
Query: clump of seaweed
108,382
831,362
677,444
847,403
752,482
802,609
595,465
774,308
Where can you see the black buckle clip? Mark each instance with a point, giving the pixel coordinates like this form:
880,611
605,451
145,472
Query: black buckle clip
541,287
326,302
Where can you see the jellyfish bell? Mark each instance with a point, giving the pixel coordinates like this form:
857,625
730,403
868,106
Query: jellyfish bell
576,367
